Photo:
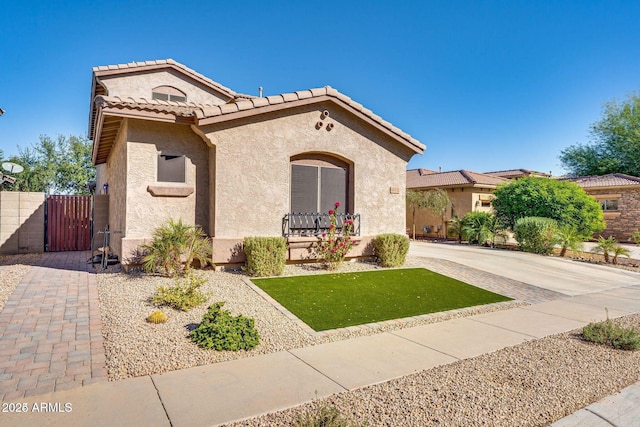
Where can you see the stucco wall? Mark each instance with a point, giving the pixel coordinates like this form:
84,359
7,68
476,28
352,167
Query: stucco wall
464,200
146,211
139,85
624,221
21,222
252,176
115,175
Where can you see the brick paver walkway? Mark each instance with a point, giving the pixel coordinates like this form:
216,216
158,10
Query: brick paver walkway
50,329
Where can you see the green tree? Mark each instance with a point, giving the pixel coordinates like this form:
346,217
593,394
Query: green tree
477,227
563,201
567,237
614,145
456,228
61,166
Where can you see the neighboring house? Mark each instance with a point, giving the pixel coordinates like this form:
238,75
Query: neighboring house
619,195
171,143
518,173
468,192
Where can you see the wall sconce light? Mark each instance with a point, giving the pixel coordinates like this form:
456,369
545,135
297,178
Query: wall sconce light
105,188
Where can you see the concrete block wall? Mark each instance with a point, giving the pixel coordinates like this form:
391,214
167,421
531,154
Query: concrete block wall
21,222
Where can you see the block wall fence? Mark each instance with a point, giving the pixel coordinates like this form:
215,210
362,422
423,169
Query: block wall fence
21,222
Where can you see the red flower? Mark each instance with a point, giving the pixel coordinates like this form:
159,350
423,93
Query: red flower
331,211
332,226
337,204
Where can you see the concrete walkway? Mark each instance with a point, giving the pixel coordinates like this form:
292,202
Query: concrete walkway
50,336
228,391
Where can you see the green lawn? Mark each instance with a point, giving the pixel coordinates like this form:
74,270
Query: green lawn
330,301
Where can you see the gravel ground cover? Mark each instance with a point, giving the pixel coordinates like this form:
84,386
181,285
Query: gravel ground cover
12,270
135,347
531,384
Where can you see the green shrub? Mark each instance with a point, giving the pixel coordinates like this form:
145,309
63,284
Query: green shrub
610,246
175,247
608,333
326,416
222,331
266,256
184,295
635,237
536,234
391,249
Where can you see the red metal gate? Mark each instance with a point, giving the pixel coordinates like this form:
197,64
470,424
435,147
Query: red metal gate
68,223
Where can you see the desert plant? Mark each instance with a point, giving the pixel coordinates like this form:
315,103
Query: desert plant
184,295
618,251
476,227
635,237
535,234
175,247
568,238
605,247
222,331
333,247
326,416
608,333
157,317
266,256
391,249
456,227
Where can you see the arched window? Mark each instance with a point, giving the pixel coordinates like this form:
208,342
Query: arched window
317,182
168,93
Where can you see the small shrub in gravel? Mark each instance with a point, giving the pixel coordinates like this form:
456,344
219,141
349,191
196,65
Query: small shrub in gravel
326,416
184,295
222,331
266,256
608,333
391,249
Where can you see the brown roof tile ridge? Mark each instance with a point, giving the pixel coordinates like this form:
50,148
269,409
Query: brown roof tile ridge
174,63
467,176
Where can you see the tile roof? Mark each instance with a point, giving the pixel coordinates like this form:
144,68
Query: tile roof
143,104
256,104
516,173
610,180
450,179
163,63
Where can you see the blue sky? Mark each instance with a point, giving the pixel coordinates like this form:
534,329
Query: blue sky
486,85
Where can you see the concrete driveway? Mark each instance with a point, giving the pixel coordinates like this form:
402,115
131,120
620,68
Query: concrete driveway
556,274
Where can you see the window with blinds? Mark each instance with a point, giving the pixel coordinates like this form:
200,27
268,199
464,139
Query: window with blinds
316,189
168,93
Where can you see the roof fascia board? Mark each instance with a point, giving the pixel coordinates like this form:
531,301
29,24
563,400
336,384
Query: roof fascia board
308,101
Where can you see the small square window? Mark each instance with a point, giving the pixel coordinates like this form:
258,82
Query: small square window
171,168
609,205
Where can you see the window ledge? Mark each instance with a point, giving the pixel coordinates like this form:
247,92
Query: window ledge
170,191
612,214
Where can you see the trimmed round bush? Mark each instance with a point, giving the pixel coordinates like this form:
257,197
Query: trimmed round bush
536,234
266,256
391,249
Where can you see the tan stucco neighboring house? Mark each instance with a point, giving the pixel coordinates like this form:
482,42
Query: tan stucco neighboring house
468,192
619,195
171,143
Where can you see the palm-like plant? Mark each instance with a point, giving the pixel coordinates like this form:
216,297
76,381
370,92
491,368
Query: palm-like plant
174,248
605,247
476,227
456,227
619,250
568,238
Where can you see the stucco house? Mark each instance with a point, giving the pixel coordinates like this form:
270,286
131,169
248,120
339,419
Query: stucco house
169,142
619,195
468,192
